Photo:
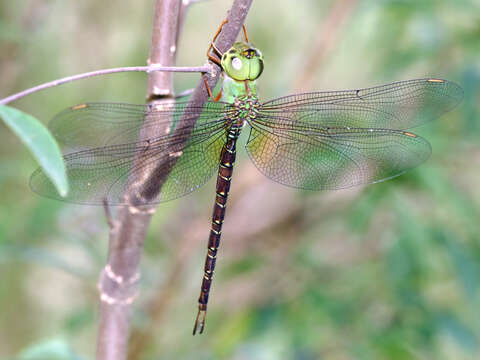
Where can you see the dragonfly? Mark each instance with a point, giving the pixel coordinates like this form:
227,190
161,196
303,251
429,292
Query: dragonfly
145,154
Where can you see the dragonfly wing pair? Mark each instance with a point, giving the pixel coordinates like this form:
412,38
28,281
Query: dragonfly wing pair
316,141
334,140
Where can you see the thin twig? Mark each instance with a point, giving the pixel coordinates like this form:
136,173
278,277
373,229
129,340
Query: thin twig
148,69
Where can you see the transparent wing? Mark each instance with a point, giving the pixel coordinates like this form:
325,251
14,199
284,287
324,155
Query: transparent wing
104,157
92,125
399,106
339,158
333,140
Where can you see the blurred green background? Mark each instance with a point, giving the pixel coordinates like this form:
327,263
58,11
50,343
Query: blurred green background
387,271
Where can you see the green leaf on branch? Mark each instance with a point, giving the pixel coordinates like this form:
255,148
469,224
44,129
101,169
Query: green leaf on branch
40,142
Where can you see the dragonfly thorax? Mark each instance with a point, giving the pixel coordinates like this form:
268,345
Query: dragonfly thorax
245,110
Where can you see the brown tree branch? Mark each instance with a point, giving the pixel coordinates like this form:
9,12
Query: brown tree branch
116,285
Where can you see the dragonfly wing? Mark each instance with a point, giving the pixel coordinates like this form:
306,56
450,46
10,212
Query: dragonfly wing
180,159
195,166
339,158
401,105
91,125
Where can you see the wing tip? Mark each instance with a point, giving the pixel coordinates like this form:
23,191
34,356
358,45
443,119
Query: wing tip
452,90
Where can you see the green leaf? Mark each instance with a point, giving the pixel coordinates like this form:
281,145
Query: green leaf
40,142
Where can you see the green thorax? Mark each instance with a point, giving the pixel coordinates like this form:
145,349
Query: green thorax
242,64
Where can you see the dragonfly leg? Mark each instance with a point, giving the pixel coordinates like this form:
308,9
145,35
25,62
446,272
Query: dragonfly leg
245,33
210,94
212,45
207,87
219,30
213,58
219,95
248,91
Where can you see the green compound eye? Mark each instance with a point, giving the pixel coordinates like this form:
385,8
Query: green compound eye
242,62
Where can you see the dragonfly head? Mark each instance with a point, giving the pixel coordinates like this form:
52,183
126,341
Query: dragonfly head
242,62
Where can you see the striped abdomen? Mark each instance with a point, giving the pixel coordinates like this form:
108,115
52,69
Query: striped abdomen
225,170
